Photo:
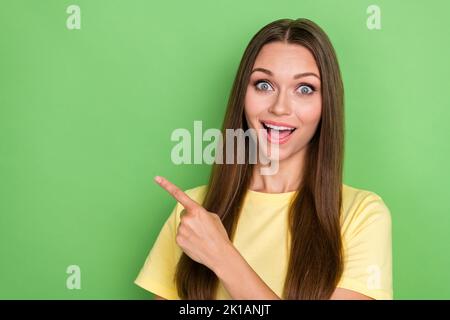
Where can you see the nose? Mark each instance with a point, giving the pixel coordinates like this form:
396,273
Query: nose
280,106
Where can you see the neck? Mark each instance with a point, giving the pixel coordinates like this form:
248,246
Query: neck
286,179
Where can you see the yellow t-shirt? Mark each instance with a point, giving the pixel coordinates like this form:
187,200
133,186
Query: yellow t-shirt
262,239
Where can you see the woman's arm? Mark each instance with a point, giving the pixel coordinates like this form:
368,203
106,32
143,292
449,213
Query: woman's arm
243,283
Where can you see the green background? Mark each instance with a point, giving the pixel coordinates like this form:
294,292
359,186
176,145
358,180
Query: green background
86,117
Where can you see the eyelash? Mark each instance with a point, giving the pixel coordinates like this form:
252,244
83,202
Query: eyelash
313,88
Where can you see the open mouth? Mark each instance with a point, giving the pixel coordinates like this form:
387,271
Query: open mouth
278,132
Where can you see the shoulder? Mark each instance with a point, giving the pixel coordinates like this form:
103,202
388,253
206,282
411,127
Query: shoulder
367,243
361,207
197,193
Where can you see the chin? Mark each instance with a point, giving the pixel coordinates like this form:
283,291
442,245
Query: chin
282,155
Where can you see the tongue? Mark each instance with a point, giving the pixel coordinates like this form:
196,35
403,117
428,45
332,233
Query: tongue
281,133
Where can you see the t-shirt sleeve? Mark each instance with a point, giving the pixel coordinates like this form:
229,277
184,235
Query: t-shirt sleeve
367,244
158,271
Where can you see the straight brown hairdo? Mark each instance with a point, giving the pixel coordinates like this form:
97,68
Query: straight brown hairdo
315,257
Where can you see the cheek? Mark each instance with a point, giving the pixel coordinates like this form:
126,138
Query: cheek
309,113
254,103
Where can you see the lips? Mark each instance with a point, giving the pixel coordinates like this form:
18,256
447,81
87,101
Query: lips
277,132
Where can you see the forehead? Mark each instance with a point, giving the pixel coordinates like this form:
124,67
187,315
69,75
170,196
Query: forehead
280,57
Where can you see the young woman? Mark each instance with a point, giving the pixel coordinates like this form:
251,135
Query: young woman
299,233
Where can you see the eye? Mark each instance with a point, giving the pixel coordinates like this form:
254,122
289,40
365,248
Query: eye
263,86
306,89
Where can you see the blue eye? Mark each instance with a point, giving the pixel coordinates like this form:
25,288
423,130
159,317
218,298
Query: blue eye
263,86
305,89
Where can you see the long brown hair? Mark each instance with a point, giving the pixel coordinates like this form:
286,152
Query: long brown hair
315,260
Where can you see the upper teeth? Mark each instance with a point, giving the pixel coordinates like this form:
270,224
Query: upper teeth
271,126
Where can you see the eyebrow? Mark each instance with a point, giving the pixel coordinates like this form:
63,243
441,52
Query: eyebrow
299,75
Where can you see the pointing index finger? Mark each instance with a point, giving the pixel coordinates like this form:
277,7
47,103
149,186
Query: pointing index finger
177,193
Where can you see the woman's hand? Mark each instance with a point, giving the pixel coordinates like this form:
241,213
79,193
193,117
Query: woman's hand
203,237
201,234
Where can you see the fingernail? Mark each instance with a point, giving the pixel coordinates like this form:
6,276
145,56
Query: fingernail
158,179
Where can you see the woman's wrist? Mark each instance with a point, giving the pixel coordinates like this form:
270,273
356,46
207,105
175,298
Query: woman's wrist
226,259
